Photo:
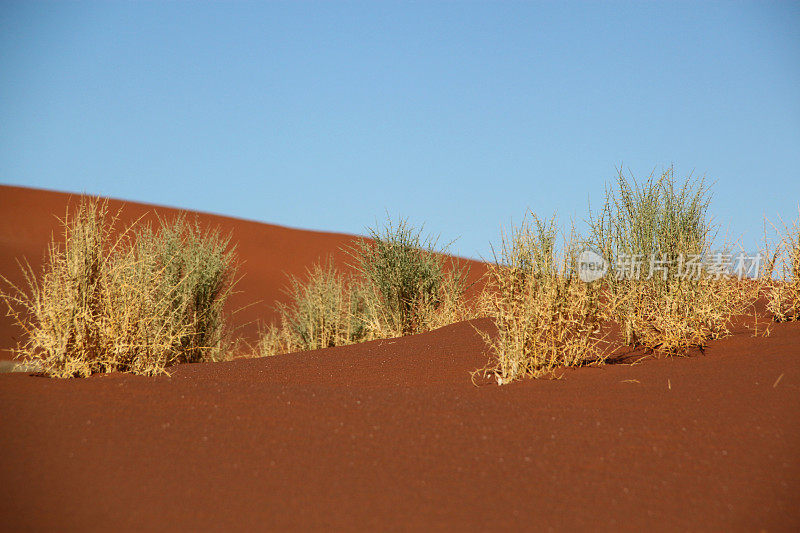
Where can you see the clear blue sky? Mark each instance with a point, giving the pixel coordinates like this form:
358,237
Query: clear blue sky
460,115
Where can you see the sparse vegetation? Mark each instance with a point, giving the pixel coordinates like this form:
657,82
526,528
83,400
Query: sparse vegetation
546,317
139,301
196,275
782,274
661,287
151,296
402,284
656,236
408,285
324,310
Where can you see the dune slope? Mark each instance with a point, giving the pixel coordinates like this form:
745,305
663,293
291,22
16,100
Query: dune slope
267,253
393,434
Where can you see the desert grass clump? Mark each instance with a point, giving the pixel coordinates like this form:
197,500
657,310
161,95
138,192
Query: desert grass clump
782,275
195,274
122,302
401,284
656,237
325,309
546,317
409,283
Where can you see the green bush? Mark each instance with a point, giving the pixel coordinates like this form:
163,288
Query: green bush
660,220
196,271
407,281
402,284
324,310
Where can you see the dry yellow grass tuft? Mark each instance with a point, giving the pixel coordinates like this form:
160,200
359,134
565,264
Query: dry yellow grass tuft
325,310
782,275
137,302
659,283
402,285
546,317
668,301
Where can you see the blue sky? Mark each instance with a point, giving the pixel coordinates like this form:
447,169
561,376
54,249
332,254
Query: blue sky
459,115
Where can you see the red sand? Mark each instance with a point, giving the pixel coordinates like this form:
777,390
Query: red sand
268,253
393,435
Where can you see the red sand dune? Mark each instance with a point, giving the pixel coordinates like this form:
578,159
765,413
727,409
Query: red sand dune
393,435
268,253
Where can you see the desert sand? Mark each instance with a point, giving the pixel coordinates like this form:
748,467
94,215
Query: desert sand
392,434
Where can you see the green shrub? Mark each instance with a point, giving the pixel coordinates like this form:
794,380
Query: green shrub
401,285
667,224
195,274
324,310
409,287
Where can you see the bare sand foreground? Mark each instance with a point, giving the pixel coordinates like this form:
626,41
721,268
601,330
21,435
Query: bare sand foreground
392,434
